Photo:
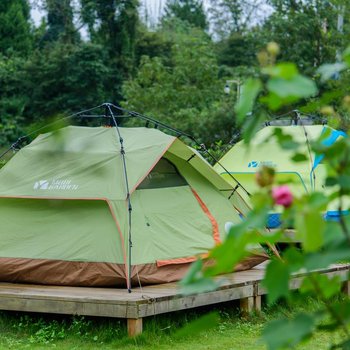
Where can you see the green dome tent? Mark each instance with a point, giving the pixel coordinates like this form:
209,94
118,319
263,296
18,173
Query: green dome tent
242,161
66,218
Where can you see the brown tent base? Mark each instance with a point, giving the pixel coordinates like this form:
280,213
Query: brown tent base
94,274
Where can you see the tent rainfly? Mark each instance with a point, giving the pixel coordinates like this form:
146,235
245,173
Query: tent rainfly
242,161
66,218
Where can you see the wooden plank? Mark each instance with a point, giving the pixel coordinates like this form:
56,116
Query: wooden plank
346,288
134,326
68,307
192,301
257,303
295,282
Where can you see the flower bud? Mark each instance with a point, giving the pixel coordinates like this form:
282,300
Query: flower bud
265,176
327,110
282,196
346,102
273,48
263,58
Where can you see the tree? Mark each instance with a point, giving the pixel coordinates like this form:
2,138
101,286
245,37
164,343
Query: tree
113,24
66,78
60,22
15,28
183,90
233,16
151,44
190,11
13,98
239,49
306,31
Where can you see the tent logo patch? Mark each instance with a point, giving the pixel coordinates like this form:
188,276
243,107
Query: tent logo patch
253,164
41,185
65,185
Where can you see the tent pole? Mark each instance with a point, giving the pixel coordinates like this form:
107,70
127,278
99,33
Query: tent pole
13,146
122,152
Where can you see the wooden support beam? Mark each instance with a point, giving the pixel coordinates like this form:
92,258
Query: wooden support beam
257,303
134,326
246,305
346,288
250,304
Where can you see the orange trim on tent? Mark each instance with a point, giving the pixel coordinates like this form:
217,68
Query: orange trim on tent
213,221
189,259
88,199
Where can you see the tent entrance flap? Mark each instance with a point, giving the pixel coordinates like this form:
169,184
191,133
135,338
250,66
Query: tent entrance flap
163,175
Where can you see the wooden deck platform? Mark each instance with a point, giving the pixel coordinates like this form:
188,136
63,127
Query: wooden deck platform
148,301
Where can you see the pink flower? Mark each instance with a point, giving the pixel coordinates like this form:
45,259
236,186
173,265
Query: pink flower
282,196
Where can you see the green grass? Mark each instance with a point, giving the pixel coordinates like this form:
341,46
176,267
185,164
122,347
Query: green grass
35,331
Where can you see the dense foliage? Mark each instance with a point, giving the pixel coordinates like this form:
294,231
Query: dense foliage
86,52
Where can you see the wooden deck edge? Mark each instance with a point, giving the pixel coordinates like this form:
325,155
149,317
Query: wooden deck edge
191,301
68,307
146,305
296,280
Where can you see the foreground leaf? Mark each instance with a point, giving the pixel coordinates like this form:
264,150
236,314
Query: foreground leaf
284,333
277,280
329,286
298,86
195,282
250,91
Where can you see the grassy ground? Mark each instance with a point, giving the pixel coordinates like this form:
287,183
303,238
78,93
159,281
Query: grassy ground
35,331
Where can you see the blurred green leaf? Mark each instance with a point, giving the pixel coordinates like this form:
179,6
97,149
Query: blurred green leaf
235,248
299,86
195,282
249,92
276,280
344,181
329,286
331,181
299,157
275,102
286,333
251,125
309,226
324,258
318,200
333,234
342,309
294,258
285,70
286,141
